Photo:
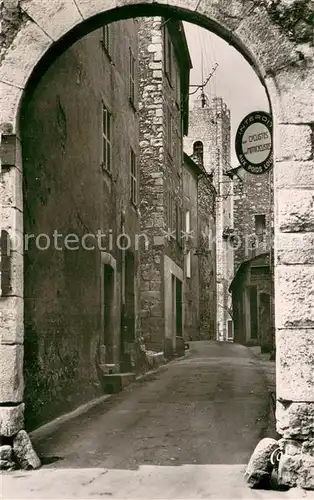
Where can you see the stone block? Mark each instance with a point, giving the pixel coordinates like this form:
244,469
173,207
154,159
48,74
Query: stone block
288,470
11,420
115,382
294,296
306,473
295,420
292,174
24,452
259,467
295,248
183,4
28,47
11,373
6,453
290,446
89,8
295,365
296,470
54,18
17,274
10,98
12,321
295,210
290,91
11,188
293,142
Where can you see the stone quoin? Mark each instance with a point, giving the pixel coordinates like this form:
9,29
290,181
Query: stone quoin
277,39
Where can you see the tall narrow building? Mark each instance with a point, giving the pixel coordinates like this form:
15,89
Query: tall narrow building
209,130
164,64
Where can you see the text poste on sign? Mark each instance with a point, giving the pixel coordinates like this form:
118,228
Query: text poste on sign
254,145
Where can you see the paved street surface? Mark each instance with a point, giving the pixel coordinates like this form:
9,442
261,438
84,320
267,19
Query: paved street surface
186,431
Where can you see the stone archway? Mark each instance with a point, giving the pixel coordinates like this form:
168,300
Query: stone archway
277,38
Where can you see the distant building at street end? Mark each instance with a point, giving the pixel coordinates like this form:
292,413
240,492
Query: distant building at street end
209,136
253,284
199,198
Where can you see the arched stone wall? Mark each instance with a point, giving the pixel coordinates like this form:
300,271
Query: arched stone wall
277,38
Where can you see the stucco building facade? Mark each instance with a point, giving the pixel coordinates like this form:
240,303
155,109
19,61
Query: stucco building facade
80,137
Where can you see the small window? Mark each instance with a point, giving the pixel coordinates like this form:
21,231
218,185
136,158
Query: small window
106,134
187,221
188,264
133,175
106,38
260,224
132,78
168,55
198,152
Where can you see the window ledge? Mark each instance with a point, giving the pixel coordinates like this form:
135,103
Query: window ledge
105,170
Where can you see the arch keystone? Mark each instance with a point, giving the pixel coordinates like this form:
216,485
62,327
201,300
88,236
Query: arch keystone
89,8
55,17
183,4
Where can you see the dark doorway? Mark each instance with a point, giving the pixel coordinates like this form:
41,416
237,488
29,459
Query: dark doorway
265,332
108,277
129,316
179,307
253,312
128,313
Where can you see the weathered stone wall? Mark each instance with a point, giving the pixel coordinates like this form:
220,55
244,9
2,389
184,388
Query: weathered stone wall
191,283
161,176
207,258
152,180
65,190
253,195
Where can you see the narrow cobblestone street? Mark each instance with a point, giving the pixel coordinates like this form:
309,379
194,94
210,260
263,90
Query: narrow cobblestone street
205,413
210,408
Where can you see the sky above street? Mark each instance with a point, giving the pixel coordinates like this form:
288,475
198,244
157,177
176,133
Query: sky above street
234,79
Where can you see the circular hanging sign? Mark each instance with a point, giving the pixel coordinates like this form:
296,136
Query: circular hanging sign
254,145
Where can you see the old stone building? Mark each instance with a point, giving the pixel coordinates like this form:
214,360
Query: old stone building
252,286
209,131
277,39
80,153
199,204
164,82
